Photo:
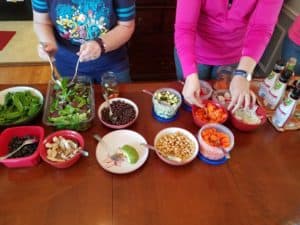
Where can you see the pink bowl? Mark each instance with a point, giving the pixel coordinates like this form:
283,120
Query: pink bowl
104,105
242,126
199,122
204,85
68,134
21,131
211,152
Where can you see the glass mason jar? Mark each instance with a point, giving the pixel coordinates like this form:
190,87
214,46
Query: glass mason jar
109,85
224,76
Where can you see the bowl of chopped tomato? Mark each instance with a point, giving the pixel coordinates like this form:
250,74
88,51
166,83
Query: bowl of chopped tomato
211,112
214,140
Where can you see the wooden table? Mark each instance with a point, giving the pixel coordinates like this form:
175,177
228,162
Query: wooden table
259,185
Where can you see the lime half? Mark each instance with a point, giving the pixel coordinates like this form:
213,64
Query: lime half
130,153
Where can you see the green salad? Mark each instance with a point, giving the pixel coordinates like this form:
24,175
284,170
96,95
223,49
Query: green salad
70,106
19,107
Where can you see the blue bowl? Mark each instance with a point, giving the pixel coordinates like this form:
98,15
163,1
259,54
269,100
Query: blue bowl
164,120
211,162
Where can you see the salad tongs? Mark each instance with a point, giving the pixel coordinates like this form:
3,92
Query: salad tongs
73,80
54,77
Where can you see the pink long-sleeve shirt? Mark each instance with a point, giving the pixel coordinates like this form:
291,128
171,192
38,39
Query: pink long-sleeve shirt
209,32
294,31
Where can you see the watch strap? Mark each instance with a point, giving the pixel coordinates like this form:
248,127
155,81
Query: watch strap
243,73
101,44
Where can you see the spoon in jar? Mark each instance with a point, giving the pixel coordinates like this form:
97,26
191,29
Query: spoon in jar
26,142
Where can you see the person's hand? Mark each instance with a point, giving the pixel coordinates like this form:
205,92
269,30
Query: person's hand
89,50
241,95
191,90
47,49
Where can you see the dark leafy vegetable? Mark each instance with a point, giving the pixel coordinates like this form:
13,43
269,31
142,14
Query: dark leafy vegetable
70,106
19,107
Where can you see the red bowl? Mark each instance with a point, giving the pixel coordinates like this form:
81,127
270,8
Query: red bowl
199,122
242,126
68,134
21,131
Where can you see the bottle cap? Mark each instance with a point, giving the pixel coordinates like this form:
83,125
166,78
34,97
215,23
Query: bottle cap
291,63
279,66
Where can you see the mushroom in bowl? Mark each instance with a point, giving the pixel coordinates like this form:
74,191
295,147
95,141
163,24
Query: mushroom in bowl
63,148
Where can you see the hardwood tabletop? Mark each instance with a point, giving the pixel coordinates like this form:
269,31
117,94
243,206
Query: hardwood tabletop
259,185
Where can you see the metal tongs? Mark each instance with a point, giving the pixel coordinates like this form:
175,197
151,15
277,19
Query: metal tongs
54,77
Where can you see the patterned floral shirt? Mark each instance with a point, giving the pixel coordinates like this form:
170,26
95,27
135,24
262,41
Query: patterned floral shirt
79,20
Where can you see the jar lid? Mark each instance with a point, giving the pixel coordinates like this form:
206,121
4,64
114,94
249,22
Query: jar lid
211,162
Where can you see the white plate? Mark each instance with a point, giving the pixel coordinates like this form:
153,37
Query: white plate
110,144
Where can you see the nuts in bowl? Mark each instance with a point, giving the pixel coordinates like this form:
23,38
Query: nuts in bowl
124,113
212,112
176,146
63,148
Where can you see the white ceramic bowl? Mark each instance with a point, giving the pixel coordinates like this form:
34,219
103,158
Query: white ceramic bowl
172,130
211,152
128,101
33,91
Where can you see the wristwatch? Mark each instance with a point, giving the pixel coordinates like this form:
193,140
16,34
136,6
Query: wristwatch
101,44
243,73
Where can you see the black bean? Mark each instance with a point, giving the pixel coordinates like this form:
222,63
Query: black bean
27,150
122,111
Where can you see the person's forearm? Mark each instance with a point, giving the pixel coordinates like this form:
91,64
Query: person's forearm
118,36
247,63
43,28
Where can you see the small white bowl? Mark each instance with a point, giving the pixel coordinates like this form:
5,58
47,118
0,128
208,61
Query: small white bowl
15,89
128,101
211,152
172,130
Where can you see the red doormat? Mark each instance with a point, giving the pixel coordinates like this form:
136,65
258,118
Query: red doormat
5,37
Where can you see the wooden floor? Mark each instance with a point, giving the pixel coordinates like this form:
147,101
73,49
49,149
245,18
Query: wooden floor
24,74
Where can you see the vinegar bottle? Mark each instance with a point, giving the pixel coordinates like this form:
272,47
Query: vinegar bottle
270,80
287,107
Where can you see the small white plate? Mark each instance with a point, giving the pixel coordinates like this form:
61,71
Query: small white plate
116,139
